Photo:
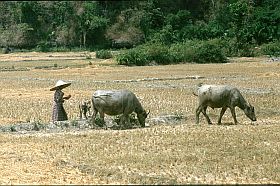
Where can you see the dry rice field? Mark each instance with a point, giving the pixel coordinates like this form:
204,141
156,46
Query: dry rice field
182,153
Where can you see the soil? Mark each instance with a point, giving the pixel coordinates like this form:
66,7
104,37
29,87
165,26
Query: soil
83,125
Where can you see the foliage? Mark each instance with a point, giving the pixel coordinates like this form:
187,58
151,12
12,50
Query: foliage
271,49
190,51
43,47
212,51
183,52
103,54
264,24
45,25
165,36
127,28
20,35
62,36
158,53
144,54
136,56
208,52
92,23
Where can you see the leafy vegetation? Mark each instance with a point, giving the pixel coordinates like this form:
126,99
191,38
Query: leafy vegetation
189,51
66,25
136,56
271,49
103,54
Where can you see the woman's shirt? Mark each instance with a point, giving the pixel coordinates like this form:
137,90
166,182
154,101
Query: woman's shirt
58,97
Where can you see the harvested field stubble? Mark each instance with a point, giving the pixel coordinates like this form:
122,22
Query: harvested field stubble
160,154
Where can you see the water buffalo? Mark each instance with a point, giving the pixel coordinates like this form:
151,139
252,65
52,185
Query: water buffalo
116,102
222,96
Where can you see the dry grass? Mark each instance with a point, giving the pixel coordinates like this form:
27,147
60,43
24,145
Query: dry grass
164,154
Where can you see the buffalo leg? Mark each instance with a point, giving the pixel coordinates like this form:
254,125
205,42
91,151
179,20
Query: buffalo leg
206,116
85,114
197,112
124,121
80,109
102,115
127,120
232,109
93,116
221,114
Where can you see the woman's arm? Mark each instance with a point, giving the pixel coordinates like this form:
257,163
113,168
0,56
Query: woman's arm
67,97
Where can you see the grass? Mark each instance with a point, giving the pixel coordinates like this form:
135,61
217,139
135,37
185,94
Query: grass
161,154
30,89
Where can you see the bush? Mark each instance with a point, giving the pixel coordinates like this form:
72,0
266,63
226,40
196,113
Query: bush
144,54
43,47
158,53
198,51
247,51
18,35
226,46
271,49
189,51
103,54
208,52
136,56
183,52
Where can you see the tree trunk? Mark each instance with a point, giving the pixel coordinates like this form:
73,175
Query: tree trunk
84,38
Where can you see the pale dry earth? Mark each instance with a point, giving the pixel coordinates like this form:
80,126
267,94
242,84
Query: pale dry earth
159,154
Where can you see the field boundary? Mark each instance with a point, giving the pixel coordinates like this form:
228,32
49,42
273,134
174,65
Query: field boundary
149,79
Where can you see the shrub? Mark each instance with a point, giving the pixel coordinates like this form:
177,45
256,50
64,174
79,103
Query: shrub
183,52
231,47
103,54
271,49
18,35
166,35
144,54
189,51
227,46
247,51
158,53
43,47
136,56
208,52
176,52
198,51
6,50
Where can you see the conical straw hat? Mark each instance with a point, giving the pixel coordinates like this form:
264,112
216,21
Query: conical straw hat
60,84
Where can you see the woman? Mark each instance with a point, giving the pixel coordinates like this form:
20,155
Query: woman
59,113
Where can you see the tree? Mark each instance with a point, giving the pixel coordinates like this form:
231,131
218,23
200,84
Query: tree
20,37
127,29
91,20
